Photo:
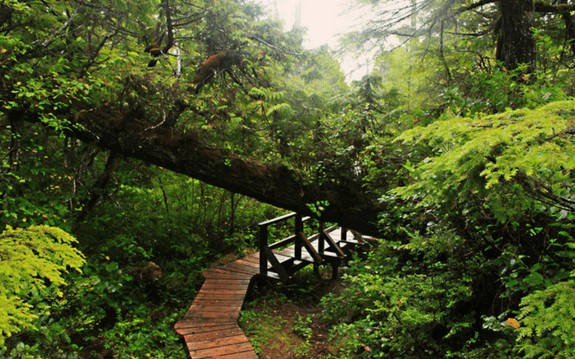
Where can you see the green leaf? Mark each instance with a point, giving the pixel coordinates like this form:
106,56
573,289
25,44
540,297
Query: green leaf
534,279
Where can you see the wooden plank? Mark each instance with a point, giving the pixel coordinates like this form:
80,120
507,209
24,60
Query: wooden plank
208,330
245,355
213,317
217,303
216,352
219,299
221,296
252,259
242,268
263,243
214,308
223,274
197,308
243,271
286,262
214,312
223,309
215,287
244,262
205,323
228,281
192,326
218,342
240,282
255,255
207,303
229,331
238,268
218,292
200,323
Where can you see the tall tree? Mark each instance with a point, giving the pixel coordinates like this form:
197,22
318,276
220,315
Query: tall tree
508,21
516,44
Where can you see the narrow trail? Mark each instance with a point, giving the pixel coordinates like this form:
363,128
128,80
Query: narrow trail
210,327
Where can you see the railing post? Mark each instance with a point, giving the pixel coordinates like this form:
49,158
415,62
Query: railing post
343,234
263,244
321,239
298,228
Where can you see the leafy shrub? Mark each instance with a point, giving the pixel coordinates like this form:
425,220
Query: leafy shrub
33,261
513,161
406,303
546,317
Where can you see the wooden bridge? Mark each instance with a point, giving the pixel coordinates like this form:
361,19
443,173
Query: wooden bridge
210,326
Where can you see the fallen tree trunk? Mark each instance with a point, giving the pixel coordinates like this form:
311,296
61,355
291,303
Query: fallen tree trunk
350,205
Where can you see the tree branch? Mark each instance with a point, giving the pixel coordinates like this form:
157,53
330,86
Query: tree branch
474,6
170,27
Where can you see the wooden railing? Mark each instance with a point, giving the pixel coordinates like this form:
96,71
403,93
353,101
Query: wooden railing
300,241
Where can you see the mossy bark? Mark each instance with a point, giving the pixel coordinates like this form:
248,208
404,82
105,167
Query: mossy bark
516,44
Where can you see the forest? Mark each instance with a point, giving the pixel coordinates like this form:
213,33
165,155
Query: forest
142,141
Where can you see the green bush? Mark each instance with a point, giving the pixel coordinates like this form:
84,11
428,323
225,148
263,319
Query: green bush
33,261
547,326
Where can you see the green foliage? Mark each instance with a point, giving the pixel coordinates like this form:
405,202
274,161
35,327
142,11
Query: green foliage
138,336
481,221
411,80
144,215
406,302
262,328
318,207
302,327
33,262
522,154
547,323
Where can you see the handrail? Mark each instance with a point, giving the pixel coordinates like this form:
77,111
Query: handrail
278,219
284,242
300,240
265,249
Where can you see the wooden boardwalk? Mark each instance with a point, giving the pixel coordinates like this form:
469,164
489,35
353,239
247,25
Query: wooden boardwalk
210,327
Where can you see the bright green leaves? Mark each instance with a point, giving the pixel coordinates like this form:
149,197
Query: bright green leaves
547,327
29,259
532,148
283,110
269,94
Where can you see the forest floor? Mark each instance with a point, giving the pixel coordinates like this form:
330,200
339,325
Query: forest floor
283,321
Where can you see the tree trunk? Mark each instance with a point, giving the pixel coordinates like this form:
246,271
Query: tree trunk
350,205
569,26
516,44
